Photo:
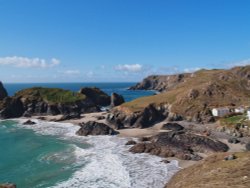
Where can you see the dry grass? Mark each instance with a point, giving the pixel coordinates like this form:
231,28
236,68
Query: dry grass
215,172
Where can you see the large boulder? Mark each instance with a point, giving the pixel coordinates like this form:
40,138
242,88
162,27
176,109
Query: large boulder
96,95
3,92
180,144
172,127
95,128
116,100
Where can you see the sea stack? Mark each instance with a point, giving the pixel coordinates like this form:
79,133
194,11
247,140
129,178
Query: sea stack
3,92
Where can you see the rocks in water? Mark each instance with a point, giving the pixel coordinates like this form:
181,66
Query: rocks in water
233,140
248,146
29,122
7,185
3,92
116,99
230,157
131,142
172,127
96,95
95,128
180,144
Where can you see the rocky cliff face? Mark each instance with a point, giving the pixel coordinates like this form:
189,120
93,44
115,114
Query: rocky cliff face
161,83
49,101
189,96
3,92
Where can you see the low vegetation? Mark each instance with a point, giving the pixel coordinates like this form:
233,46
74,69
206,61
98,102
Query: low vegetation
215,172
203,90
51,95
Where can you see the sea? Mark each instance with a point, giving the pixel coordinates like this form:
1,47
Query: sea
49,154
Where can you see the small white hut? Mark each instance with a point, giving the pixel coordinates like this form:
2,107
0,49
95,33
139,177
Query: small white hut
220,112
239,110
248,114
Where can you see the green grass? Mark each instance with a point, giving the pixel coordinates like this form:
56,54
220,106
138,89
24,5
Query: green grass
51,95
233,120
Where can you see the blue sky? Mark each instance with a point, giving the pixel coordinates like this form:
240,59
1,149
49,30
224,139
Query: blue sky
119,40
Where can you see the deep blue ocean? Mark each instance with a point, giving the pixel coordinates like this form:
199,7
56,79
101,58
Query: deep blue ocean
50,154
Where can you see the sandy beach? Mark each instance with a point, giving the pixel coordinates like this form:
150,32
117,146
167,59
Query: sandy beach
135,133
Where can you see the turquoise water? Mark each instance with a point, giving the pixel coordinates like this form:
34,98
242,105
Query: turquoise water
32,160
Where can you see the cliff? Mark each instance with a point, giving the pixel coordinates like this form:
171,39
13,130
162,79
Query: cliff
190,97
51,101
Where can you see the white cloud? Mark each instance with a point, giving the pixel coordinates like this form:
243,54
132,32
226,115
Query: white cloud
190,70
129,67
70,72
25,62
239,63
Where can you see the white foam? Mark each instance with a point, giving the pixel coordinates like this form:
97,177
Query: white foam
109,164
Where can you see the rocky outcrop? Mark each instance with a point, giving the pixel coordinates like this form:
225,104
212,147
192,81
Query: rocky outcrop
148,117
96,95
29,122
180,144
51,101
116,99
11,108
172,127
160,82
3,92
95,128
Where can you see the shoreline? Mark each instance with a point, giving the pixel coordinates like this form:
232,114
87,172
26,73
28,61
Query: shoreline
136,133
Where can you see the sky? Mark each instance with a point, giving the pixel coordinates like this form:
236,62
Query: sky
119,40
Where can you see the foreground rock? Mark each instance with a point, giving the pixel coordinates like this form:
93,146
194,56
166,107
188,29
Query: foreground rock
3,92
181,144
95,128
172,127
116,100
8,185
215,172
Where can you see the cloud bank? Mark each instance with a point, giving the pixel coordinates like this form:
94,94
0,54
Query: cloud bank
129,67
25,62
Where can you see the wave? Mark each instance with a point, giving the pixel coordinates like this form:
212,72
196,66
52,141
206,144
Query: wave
108,164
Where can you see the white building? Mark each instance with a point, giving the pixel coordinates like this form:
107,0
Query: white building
220,112
239,110
248,114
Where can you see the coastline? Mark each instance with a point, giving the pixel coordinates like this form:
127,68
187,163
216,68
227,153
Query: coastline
136,133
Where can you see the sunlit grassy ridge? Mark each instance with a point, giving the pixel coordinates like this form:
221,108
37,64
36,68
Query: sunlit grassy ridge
51,95
215,172
216,88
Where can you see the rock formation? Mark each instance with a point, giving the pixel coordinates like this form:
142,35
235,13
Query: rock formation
172,127
95,128
96,95
3,92
180,144
116,99
52,101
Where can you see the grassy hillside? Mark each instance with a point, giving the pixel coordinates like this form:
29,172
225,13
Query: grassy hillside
215,172
50,95
203,90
